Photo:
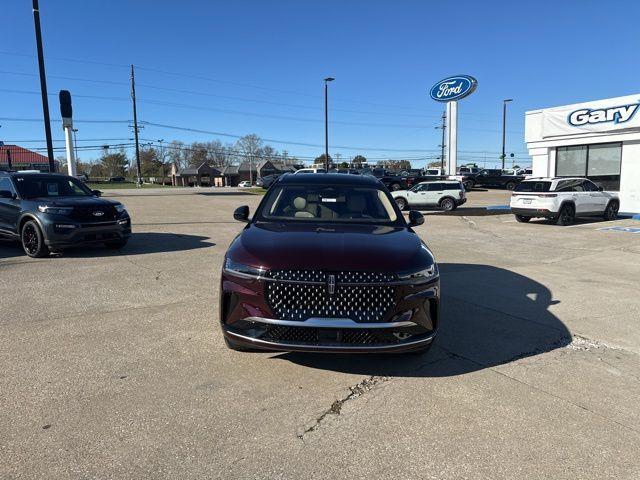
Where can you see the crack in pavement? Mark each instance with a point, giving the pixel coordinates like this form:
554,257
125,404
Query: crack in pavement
360,389
336,407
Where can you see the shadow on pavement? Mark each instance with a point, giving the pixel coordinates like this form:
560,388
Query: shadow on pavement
10,249
490,316
144,243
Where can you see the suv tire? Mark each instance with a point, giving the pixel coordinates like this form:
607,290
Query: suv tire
394,187
611,212
116,244
402,203
522,219
32,240
447,204
510,185
468,185
567,215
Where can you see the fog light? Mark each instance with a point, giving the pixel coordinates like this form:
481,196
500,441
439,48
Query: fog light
402,335
123,222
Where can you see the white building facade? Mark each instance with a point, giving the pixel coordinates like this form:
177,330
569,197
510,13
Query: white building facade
599,140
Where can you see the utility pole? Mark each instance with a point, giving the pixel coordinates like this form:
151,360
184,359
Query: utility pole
442,145
135,127
43,86
504,127
326,122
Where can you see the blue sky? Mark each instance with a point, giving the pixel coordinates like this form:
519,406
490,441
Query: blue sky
257,67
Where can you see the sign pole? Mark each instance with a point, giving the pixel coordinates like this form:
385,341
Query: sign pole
452,137
71,158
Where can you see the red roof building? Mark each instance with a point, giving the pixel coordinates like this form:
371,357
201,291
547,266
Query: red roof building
22,159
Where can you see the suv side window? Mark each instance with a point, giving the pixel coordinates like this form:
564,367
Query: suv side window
589,186
435,187
6,184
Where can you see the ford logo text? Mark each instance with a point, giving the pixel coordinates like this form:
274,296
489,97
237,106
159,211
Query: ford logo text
453,88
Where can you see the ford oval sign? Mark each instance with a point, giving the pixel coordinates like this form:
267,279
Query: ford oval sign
453,88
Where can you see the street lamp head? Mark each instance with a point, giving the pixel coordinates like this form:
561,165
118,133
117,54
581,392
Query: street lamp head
329,79
508,100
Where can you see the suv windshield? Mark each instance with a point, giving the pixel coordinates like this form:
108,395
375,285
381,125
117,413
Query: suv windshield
528,186
328,203
51,186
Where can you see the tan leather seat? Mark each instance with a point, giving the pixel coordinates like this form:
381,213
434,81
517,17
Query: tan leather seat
300,205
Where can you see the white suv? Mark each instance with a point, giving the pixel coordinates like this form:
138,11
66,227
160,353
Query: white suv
562,199
446,194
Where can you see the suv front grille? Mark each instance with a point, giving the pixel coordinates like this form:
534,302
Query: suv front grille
86,214
321,336
303,294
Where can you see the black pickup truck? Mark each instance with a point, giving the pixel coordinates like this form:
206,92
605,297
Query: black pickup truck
491,178
392,181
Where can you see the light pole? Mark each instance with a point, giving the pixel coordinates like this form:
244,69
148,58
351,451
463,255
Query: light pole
326,122
504,127
75,142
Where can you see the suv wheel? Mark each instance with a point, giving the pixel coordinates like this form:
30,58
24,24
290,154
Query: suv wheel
611,212
395,187
447,204
116,244
468,185
401,202
567,215
522,218
510,185
33,240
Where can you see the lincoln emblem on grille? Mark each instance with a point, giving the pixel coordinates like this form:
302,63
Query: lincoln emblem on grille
331,284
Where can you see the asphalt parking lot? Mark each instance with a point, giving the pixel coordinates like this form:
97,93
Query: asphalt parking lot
113,365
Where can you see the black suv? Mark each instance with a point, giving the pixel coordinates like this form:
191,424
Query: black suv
491,178
49,212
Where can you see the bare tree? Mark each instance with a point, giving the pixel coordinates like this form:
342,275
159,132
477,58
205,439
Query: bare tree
249,146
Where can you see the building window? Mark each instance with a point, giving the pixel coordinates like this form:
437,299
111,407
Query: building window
599,163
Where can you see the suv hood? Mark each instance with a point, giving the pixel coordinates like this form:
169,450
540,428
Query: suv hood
74,201
330,247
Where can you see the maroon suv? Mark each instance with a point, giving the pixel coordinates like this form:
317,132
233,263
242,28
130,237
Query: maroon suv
328,263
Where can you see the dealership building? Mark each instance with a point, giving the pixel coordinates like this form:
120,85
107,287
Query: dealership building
599,140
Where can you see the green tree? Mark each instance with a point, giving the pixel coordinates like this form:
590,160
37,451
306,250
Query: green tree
320,160
114,164
358,160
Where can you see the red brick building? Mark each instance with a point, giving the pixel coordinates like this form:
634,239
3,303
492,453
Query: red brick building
22,159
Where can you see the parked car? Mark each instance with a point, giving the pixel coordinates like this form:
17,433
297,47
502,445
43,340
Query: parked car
492,178
117,179
390,180
51,212
445,194
266,181
328,263
244,184
562,200
310,170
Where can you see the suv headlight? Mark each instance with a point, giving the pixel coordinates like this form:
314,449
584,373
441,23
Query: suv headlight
55,210
242,270
421,276
120,208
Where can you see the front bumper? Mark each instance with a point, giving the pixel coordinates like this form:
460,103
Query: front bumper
533,212
248,321
461,201
60,233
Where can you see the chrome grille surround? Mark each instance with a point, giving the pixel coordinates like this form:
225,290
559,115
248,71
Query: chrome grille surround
303,294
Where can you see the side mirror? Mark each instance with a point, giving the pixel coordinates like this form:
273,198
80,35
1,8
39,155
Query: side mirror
97,193
241,214
7,194
415,218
